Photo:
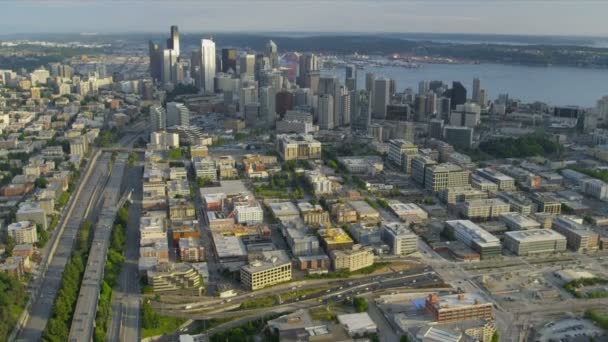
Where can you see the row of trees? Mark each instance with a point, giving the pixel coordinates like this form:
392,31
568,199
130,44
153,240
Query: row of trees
525,146
12,300
58,327
114,262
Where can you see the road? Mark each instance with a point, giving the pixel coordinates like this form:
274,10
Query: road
83,320
126,299
78,208
337,293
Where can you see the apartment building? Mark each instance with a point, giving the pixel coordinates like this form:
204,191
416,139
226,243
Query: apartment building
298,147
504,182
579,236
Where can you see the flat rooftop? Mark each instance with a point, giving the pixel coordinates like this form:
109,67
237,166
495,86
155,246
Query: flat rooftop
228,187
535,235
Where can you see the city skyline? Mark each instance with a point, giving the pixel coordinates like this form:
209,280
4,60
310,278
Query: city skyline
585,18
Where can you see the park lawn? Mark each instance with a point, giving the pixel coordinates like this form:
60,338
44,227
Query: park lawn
166,325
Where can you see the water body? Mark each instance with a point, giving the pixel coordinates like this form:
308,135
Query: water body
553,85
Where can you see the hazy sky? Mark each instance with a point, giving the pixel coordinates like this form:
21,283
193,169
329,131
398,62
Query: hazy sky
556,17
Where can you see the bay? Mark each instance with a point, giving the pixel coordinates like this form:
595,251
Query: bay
558,86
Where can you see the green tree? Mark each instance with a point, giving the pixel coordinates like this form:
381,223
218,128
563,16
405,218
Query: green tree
41,182
360,304
175,154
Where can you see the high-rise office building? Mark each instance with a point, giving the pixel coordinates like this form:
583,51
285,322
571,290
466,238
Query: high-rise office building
158,118
273,54
361,110
326,111
169,60
156,60
331,86
369,83
423,87
195,68
476,90
207,64
284,102
351,77
308,63
267,102
458,94
229,60
173,41
247,65
382,97
177,114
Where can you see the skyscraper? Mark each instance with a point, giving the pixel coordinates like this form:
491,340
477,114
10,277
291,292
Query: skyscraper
173,41
247,65
308,63
351,77
272,53
458,94
158,118
423,87
229,60
168,72
207,64
381,96
267,102
361,110
326,111
476,90
331,86
156,60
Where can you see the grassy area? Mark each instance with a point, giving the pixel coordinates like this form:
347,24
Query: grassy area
322,313
299,293
346,273
599,316
258,303
154,324
574,287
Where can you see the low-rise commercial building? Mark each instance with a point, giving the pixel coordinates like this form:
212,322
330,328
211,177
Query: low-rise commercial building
475,237
458,307
443,176
461,194
335,238
400,238
408,212
546,203
273,268
517,221
579,236
518,202
504,182
352,259
535,241
484,208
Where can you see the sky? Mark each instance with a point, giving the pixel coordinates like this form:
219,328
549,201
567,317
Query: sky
522,17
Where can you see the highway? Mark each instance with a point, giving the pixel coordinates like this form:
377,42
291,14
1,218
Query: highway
339,291
82,328
50,280
124,322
